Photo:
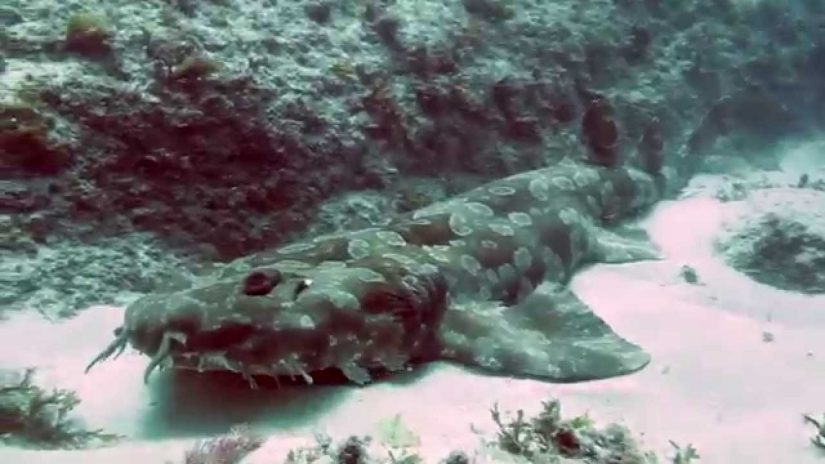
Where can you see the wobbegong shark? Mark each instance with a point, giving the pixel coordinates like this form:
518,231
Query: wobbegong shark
479,279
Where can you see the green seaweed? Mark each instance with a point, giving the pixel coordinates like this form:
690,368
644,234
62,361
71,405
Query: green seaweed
31,417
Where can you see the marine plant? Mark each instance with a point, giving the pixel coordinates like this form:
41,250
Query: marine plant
683,455
33,417
545,438
819,426
230,448
548,437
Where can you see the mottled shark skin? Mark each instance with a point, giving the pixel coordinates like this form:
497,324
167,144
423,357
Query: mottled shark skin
479,279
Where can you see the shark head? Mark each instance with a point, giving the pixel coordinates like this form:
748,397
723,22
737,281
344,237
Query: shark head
291,319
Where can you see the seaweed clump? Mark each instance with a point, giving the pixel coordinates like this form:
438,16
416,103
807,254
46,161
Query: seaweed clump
545,438
230,448
548,437
353,450
818,439
33,418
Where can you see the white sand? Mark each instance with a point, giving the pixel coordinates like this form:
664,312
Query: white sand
714,382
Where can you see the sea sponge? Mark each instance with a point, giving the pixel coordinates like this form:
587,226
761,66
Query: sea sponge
88,34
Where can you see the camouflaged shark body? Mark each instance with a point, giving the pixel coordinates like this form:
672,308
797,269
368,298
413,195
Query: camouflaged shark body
478,279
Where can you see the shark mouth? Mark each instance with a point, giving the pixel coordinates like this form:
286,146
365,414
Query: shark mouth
289,366
167,355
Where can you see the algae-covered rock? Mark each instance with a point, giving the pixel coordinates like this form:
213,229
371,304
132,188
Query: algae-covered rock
779,239
59,279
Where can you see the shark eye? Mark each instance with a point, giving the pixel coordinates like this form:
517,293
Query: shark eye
260,283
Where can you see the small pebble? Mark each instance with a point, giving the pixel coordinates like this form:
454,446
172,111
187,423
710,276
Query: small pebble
689,274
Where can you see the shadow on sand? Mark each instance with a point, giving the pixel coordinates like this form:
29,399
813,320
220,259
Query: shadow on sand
186,403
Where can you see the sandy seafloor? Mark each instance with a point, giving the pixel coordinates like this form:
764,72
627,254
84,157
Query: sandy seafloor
714,381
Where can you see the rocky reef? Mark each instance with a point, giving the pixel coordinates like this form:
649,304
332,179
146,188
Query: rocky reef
213,129
142,141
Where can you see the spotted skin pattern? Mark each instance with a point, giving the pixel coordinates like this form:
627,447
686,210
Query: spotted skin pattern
478,279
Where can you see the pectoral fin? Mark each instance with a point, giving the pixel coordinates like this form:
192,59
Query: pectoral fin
550,335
